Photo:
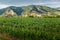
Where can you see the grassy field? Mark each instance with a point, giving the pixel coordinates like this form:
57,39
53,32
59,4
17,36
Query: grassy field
19,28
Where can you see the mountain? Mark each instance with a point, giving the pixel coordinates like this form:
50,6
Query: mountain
58,8
28,10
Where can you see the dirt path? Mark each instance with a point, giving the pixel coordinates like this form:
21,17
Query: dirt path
6,37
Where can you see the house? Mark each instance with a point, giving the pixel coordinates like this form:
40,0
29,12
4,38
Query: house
35,15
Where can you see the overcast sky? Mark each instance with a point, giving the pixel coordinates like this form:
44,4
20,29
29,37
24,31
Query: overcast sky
50,3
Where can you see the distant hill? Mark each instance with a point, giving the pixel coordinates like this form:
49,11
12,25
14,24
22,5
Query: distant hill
31,9
58,8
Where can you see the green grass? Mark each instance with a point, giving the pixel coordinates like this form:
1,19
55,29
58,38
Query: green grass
31,28
2,39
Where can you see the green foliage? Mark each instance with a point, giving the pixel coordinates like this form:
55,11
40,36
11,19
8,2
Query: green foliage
56,16
2,39
31,28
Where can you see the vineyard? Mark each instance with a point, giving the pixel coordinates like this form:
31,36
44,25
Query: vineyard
18,28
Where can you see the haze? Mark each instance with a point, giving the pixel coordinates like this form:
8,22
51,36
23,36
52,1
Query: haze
50,3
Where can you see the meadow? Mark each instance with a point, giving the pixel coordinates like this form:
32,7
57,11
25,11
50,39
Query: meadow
21,28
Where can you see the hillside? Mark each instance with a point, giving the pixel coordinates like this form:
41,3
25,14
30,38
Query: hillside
31,10
58,8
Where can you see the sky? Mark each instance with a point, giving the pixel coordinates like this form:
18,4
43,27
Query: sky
49,3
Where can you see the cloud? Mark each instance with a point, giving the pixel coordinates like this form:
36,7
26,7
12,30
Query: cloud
18,2
48,3
29,2
3,6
